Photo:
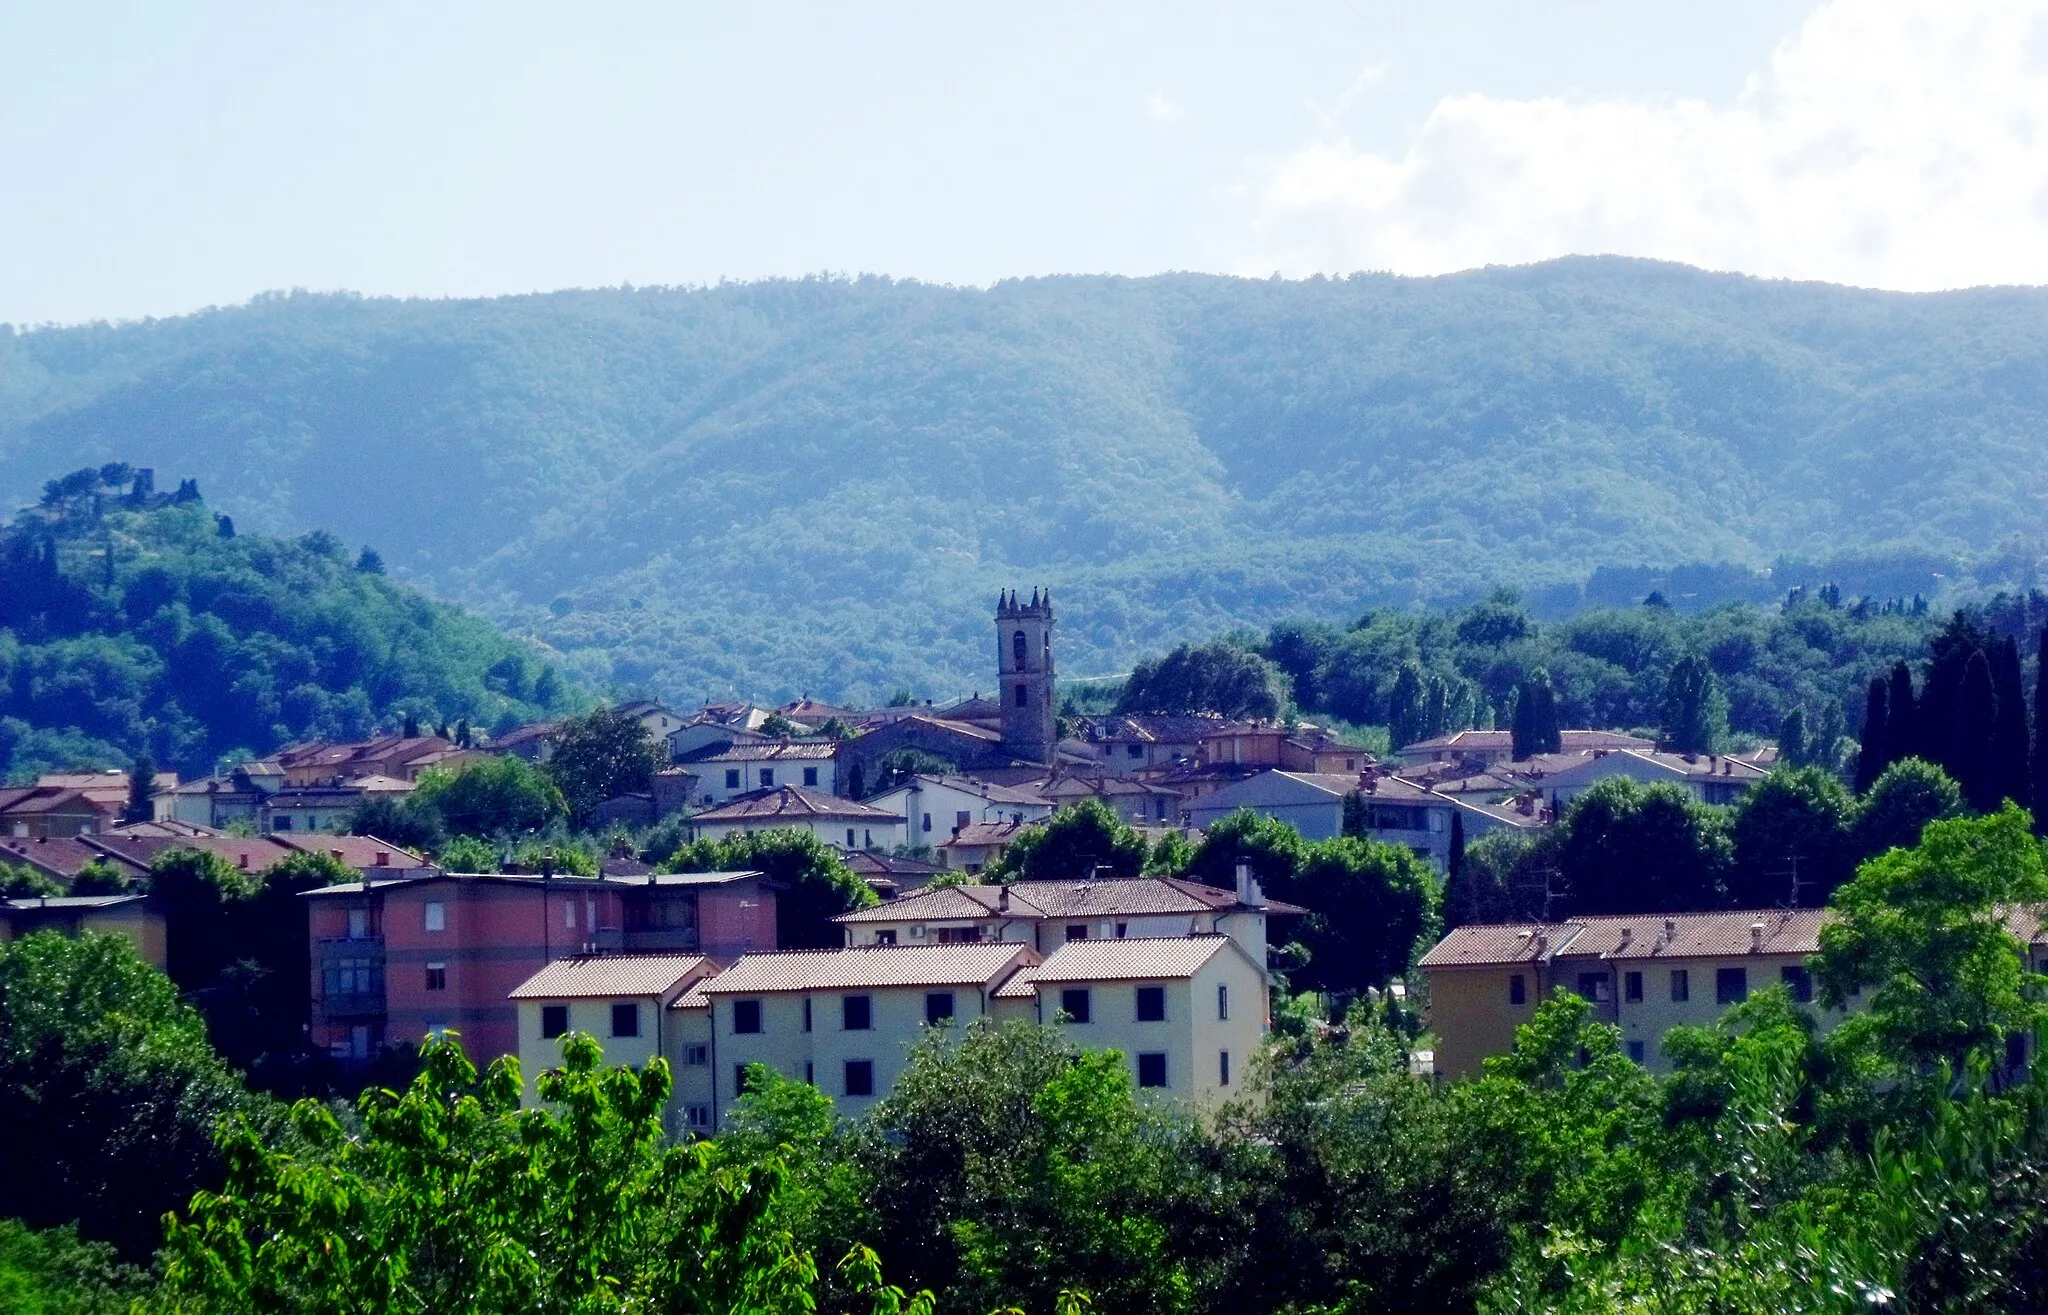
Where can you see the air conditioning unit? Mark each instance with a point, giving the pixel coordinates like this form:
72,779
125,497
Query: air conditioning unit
917,932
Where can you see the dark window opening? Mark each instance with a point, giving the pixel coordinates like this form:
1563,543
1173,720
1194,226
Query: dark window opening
626,1019
1518,990
1152,1069
1632,986
857,1013
938,1008
732,778
1681,986
746,1015
1798,981
1731,985
860,1077
1151,1004
1074,1003
554,1020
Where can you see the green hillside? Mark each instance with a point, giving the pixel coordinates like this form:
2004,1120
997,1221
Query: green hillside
146,625
820,485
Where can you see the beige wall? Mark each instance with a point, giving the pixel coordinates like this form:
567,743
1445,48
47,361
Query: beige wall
1471,1016
1192,1036
686,1035
594,1016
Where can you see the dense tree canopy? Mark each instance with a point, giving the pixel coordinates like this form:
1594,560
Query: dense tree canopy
130,633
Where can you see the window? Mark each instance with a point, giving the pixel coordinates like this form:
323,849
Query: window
696,1056
1151,1004
811,778
1222,1001
569,914
746,1016
285,823
886,937
1152,1068
1023,696
1635,1051
1632,986
927,822
732,778
554,1020
358,924
867,839
938,1008
1798,981
1681,986
1223,1068
807,1013
1134,751
860,1077
437,977
1518,990
436,915
959,935
767,777
1074,1003
1077,931
1593,986
698,1115
626,1019
810,1074
849,837
1121,928
1018,648
857,1012
1731,985
961,819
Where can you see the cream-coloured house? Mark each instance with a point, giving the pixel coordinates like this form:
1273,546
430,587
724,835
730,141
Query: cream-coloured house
1645,973
1047,914
833,820
620,999
1187,1012
842,1020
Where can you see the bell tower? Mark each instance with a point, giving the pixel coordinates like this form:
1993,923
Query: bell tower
1024,676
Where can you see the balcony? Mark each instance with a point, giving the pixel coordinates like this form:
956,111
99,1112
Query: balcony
654,940
353,1004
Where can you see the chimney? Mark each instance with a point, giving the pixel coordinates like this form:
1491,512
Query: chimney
242,860
1003,899
383,859
1756,936
334,854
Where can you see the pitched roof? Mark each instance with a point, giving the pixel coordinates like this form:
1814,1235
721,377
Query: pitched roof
1125,896
992,791
1499,741
1129,959
876,966
1158,728
1722,934
980,835
868,863
359,852
1023,984
72,902
792,803
769,750
610,974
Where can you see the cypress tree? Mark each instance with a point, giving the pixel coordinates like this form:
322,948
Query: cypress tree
1354,813
1407,707
1902,724
1975,768
1695,710
1454,866
2009,742
2040,762
1792,738
1874,754
1535,727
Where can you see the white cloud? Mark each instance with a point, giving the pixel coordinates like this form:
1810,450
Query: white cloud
1162,108
1890,143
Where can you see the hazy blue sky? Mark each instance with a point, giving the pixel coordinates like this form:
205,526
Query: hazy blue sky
157,158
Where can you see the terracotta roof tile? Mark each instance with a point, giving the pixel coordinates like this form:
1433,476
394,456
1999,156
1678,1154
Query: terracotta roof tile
1129,959
614,974
877,966
793,803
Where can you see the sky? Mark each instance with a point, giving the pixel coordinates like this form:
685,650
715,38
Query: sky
155,159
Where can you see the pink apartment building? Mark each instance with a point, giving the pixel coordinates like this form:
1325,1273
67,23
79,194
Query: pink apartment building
393,961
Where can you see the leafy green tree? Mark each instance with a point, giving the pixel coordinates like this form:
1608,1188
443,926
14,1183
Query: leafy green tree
1272,848
1624,847
1219,678
2038,761
468,854
811,881
1911,793
370,561
1083,840
1695,710
100,876
53,1273
193,888
1002,1149
108,1090
400,821
452,1198
602,755
1924,933
1791,834
506,795
899,765
1171,855
1370,904
1407,715
20,881
1354,816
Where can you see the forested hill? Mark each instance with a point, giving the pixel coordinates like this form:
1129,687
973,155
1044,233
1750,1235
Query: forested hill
134,624
820,485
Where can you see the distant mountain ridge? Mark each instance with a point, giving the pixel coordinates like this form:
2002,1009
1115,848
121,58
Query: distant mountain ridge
818,485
